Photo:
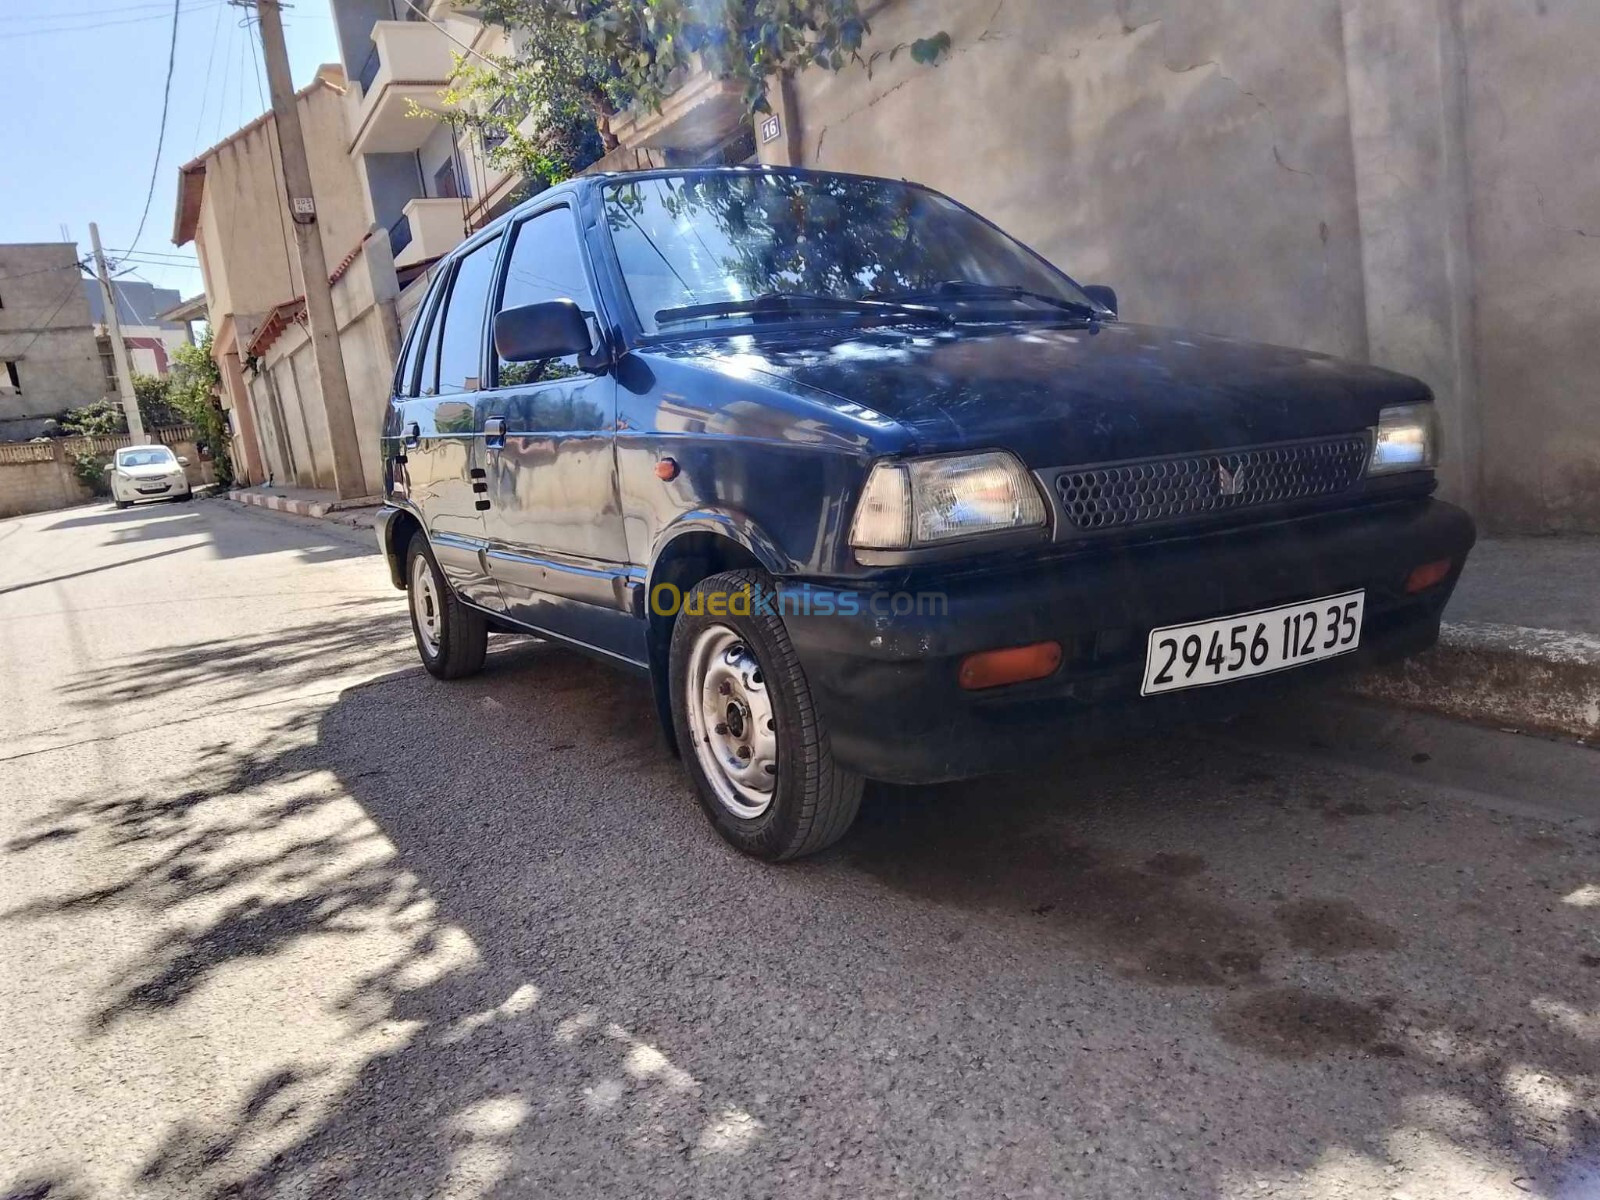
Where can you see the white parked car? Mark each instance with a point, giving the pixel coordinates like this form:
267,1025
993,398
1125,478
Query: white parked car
148,473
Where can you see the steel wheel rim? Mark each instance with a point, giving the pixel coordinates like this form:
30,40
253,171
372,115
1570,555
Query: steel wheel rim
732,721
425,607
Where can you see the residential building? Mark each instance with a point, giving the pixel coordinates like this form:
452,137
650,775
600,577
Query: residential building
428,182
48,359
231,205
149,338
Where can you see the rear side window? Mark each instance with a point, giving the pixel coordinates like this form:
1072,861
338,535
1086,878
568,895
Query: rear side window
421,330
546,264
463,335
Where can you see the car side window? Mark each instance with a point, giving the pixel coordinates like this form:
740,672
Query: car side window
405,375
546,264
427,381
461,337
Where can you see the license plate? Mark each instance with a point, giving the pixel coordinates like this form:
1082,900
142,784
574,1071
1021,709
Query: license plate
1258,643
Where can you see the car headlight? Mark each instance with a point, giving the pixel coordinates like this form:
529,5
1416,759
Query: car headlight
1406,439
924,502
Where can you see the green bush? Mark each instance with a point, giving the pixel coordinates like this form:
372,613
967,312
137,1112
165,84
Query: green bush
91,472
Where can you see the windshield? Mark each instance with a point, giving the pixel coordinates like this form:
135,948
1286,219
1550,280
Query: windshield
158,456
687,243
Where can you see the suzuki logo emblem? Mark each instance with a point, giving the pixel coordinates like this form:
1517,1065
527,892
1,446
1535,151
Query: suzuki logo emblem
1229,483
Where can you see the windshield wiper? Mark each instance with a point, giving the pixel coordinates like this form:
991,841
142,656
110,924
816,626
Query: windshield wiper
797,302
966,289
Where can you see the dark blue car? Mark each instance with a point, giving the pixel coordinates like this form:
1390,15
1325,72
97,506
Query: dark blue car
867,489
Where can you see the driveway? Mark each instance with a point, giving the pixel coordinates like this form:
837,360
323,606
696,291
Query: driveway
282,915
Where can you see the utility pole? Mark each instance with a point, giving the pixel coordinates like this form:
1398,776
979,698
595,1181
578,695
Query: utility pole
119,348
325,348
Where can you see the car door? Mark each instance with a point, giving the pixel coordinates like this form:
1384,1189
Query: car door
554,526
439,425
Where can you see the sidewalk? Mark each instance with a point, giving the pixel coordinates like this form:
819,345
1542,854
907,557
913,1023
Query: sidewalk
1520,647
310,502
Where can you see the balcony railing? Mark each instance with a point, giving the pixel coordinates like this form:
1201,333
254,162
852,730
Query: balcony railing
400,235
369,69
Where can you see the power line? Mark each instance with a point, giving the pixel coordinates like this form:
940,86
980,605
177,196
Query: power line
154,254
44,271
85,12
205,88
222,92
17,35
75,288
161,136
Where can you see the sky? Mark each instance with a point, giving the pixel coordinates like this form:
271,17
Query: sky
81,96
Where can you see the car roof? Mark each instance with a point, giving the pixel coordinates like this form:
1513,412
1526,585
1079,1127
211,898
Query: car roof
581,185
146,446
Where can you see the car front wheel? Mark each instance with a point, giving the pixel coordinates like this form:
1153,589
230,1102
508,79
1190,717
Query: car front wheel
451,637
751,737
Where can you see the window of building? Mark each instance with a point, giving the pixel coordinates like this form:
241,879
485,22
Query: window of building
463,337
446,182
546,264
11,381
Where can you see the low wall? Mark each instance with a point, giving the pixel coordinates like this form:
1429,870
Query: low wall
38,476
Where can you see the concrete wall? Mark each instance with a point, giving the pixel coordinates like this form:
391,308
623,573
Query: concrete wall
244,239
295,437
1412,181
45,328
1533,146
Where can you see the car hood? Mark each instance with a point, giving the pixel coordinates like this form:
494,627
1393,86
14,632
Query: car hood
1058,395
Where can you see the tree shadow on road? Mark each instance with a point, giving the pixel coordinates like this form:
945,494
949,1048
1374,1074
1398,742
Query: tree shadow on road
551,979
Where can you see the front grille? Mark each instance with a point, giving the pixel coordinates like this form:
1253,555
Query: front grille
1121,495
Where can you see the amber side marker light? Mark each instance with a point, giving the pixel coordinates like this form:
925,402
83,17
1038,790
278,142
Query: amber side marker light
1019,664
1428,575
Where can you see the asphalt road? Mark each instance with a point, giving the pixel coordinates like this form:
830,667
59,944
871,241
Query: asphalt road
282,915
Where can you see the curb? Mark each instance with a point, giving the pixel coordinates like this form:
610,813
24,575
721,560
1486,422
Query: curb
346,512
1541,680
1534,680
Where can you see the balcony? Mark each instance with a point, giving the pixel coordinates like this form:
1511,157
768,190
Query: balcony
428,228
700,113
409,61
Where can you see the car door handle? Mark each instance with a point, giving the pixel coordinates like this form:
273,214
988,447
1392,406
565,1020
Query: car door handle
413,435
494,432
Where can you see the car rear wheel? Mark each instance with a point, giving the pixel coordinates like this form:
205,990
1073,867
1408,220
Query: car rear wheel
451,637
751,737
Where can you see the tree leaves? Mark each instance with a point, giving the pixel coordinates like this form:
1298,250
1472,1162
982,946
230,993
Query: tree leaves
581,62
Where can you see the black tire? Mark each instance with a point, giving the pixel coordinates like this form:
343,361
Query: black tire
463,636
124,503
815,801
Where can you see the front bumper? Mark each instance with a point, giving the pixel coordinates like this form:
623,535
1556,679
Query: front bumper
887,685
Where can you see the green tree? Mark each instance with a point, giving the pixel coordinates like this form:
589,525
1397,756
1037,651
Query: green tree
105,416
583,61
192,391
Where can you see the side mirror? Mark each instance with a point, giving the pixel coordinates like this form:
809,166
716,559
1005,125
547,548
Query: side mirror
182,461
538,332
1105,297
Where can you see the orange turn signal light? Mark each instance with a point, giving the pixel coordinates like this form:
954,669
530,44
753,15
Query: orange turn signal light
1428,575
1018,664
